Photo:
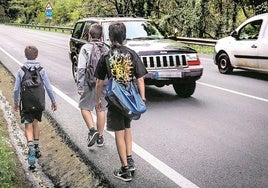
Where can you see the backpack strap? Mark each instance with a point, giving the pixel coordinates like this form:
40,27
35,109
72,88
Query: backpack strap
88,52
109,74
24,68
39,68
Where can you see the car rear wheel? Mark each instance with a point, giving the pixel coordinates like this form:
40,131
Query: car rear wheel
184,90
74,69
224,64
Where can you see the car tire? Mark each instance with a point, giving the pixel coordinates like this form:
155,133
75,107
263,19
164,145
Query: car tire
74,68
224,64
185,90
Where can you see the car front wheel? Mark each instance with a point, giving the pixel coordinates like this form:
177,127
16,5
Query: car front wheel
184,90
224,64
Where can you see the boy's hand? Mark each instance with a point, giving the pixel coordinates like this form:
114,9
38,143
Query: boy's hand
16,107
98,105
54,106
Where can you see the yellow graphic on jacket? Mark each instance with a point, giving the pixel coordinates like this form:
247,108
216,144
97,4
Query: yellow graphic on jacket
121,66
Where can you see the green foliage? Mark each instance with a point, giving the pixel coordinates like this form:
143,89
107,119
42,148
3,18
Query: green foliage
201,49
262,8
190,18
6,163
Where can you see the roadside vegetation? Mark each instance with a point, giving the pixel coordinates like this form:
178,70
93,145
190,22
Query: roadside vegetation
202,49
212,19
7,162
11,173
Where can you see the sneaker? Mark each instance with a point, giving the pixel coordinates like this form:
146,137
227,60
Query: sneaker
131,164
92,137
37,151
31,156
123,174
100,141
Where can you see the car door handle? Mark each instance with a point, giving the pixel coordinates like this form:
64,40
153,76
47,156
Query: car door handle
253,46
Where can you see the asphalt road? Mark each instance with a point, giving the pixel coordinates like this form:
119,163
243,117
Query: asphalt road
216,138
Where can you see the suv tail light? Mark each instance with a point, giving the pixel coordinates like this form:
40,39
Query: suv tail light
192,59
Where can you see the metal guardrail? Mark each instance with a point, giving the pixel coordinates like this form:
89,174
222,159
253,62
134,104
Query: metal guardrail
197,41
44,27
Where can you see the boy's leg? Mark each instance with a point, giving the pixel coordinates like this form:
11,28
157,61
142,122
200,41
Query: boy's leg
36,129
86,105
93,134
87,118
128,140
100,122
100,126
121,146
123,173
31,150
29,132
36,135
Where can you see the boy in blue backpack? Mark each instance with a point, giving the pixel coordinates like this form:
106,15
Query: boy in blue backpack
86,82
30,107
128,67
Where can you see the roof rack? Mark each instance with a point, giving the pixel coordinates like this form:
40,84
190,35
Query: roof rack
113,15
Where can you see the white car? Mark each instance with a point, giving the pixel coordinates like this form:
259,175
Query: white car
246,47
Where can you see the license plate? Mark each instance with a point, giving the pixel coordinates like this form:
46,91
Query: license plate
171,74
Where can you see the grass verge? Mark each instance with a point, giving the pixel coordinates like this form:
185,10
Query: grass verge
201,49
7,162
11,172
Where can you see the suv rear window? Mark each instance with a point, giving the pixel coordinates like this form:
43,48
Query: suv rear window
85,33
137,30
78,29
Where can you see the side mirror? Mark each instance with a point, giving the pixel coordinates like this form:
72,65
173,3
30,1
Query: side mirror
234,34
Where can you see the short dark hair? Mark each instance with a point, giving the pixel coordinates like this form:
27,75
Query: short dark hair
95,31
31,52
117,33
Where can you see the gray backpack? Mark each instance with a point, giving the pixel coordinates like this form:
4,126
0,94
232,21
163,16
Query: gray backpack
98,49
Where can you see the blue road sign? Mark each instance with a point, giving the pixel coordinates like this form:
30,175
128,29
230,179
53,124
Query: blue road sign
49,13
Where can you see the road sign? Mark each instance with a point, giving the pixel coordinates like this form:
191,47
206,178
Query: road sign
49,13
48,6
49,10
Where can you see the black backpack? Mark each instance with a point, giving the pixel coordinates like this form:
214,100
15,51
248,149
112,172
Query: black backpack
98,49
32,90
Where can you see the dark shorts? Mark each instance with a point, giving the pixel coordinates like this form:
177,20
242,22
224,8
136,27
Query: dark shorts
27,117
116,121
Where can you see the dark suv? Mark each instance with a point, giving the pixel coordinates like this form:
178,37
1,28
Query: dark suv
167,61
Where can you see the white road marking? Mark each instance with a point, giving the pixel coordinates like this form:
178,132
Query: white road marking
159,165
235,92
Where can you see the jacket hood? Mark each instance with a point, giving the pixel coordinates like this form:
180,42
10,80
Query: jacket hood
32,64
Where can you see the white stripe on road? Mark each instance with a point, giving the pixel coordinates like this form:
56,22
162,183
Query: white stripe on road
159,165
235,92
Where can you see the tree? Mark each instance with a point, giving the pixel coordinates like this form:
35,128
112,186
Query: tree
189,18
